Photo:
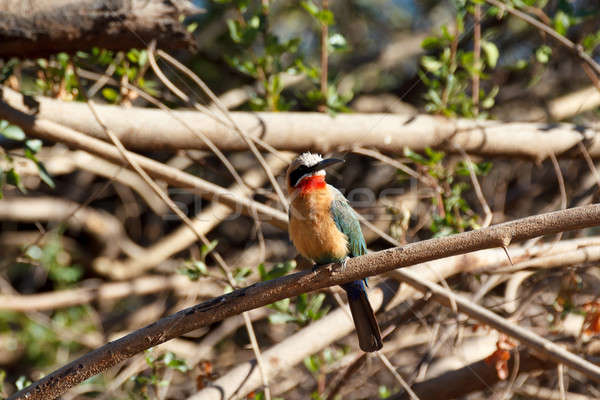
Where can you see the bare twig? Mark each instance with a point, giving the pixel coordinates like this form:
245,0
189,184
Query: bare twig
237,128
476,56
108,291
576,49
397,376
324,54
478,192
41,128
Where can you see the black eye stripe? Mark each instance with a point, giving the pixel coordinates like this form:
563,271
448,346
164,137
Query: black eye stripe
297,174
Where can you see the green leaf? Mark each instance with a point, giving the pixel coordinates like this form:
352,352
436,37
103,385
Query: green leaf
282,305
431,64
562,22
240,274
337,42
310,7
110,94
384,392
34,145
312,363
431,43
206,249
143,58
326,17
281,318
13,132
44,175
415,157
192,27
543,54
175,363
279,270
22,382
491,53
34,252
12,178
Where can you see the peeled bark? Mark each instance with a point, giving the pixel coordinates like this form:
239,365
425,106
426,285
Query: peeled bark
37,28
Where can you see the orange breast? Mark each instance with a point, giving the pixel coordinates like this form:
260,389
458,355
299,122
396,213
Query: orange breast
312,228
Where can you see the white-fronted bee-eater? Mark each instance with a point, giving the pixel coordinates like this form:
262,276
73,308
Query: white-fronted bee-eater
325,229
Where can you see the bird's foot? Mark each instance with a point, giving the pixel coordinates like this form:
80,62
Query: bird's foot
343,263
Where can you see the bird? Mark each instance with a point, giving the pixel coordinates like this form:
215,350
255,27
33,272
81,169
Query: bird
325,229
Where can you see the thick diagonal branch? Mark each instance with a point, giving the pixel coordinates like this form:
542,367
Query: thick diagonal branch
264,293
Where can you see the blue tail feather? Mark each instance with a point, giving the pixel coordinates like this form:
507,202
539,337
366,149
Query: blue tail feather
369,337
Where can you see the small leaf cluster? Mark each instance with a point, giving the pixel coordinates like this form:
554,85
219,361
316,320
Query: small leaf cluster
194,269
15,136
144,384
306,308
130,66
261,54
39,340
447,70
53,258
56,77
264,56
452,212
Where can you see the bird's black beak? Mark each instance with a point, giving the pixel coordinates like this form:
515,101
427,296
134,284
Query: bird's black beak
326,163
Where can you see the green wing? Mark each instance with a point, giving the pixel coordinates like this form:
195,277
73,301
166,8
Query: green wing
346,221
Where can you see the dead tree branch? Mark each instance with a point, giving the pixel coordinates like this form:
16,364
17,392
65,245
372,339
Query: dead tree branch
264,293
38,28
148,129
471,378
49,130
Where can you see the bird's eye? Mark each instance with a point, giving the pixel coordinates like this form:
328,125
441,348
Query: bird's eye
297,174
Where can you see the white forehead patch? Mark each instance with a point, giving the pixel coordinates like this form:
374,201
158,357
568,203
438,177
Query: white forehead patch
310,159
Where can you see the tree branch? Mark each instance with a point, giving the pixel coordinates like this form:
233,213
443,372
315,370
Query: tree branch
148,129
38,28
264,293
19,114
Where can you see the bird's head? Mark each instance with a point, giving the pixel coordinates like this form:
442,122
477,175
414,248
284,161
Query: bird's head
308,169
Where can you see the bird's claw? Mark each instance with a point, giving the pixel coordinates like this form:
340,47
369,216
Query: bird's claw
343,263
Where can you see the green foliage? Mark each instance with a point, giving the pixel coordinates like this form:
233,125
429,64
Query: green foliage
41,339
384,392
448,70
56,77
453,213
264,56
56,261
328,356
152,378
279,270
306,308
194,269
29,147
22,382
129,66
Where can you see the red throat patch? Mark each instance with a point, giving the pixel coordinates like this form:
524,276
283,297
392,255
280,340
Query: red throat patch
310,183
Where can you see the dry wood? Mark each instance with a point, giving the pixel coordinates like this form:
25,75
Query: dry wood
471,378
264,293
49,130
148,129
182,285
36,28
